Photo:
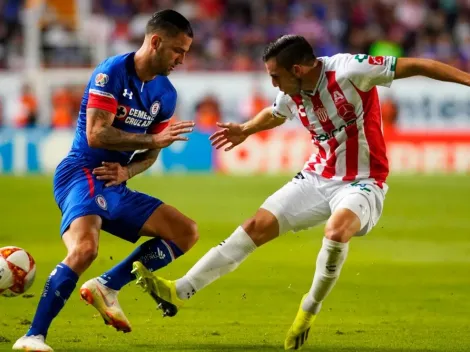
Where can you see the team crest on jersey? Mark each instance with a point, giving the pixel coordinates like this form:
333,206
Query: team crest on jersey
155,108
101,202
322,114
101,79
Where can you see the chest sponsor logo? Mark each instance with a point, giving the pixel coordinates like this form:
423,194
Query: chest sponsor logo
326,136
347,111
338,97
134,117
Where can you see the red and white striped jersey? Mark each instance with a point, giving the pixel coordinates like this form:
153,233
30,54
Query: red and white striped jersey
343,116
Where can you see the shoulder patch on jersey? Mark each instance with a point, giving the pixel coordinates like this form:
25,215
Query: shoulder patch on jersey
101,79
377,60
155,108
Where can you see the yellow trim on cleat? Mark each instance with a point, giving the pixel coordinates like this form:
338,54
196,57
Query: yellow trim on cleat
299,330
162,288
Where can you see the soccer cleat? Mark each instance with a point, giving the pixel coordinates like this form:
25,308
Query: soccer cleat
105,301
298,332
32,344
162,291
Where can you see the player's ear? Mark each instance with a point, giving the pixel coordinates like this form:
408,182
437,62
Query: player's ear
297,70
155,41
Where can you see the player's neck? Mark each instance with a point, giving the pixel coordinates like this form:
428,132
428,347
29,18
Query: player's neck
310,79
143,66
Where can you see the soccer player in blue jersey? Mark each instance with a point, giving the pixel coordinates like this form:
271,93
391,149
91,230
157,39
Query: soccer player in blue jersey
126,107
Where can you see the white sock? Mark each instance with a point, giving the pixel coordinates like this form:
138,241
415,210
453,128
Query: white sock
220,260
329,263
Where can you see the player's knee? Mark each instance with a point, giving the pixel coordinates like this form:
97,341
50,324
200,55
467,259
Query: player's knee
90,252
191,234
337,233
83,254
262,227
185,235
342,225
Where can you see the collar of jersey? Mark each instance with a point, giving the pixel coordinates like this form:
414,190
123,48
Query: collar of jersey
132,72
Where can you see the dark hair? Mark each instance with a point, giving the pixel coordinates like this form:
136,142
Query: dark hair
170,22
289,50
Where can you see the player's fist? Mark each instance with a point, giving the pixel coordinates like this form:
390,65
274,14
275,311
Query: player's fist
230,133
173,133
114,173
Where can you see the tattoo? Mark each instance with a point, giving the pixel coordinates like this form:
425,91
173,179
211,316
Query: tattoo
142,161
102,134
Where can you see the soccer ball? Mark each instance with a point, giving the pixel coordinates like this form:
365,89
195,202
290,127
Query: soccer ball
17,271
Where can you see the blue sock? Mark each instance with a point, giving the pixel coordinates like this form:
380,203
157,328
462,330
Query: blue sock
59,286
154,254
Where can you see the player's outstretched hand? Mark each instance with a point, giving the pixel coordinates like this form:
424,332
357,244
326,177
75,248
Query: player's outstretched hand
173,133
230,133
114,173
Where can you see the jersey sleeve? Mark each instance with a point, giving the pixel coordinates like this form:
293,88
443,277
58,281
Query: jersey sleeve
367,71
168,107
105,87
283,107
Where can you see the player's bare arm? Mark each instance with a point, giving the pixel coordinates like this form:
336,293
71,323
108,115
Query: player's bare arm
142,161
235,133
264,120
115,173
101,134
408,67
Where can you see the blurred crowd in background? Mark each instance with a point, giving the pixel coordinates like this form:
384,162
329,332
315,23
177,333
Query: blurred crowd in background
230,35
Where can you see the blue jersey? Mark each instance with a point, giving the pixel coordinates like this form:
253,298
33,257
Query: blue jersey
139,107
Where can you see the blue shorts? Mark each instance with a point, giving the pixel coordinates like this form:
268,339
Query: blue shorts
78,193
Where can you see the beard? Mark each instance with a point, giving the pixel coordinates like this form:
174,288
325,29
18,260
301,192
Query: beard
159,67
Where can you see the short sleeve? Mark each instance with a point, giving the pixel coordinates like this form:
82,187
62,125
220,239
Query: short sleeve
283,107
168,107
105,87
367,71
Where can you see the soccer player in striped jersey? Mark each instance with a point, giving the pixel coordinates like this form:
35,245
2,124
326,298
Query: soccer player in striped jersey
343,183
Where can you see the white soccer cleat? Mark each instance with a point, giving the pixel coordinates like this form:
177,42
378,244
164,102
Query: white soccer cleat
104,299
32,343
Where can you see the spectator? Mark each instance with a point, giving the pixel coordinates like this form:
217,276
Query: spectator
207,113
231,34
28,115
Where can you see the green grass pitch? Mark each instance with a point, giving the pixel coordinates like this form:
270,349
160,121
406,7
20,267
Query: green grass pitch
404,287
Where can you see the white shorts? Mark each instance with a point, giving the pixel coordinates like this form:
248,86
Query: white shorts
309,200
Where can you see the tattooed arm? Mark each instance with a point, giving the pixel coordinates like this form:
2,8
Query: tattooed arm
114,173
101,134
